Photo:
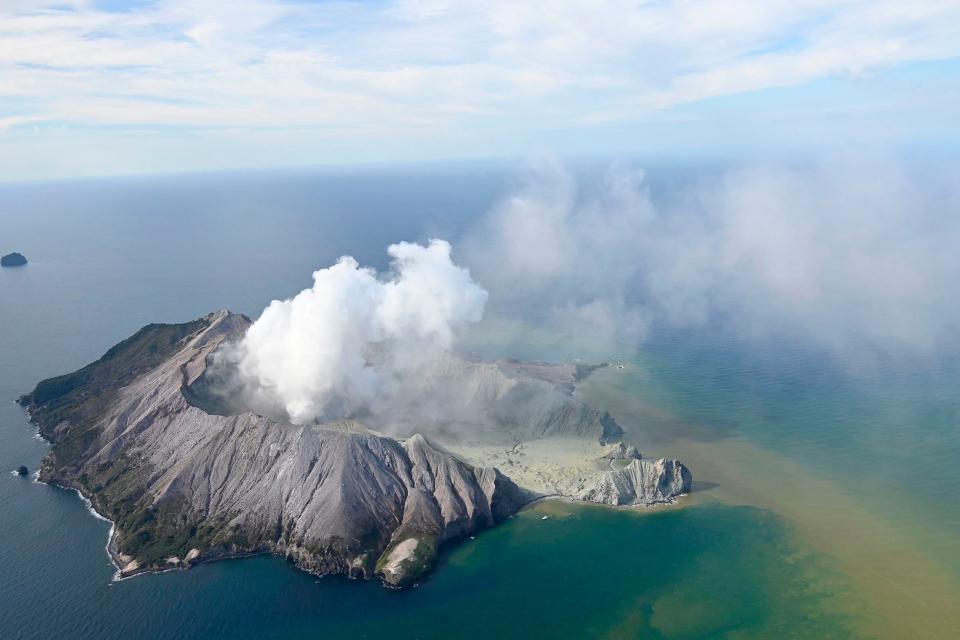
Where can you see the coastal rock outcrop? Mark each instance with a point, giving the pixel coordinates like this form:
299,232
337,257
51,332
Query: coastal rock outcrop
13,260
639,482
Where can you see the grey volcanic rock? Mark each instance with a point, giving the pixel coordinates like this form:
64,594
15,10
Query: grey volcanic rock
13,260
449,499
183,483
640,482
563,376
22,470
186,479
624,452
501,401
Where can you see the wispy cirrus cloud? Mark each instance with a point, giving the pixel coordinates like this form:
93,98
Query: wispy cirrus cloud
409,70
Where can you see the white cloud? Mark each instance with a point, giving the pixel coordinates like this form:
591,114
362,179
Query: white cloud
417,67
848,255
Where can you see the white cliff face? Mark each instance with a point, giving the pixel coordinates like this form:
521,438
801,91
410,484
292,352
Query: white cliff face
641,482
582,469
182,482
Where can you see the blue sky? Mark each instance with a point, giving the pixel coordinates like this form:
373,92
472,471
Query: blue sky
114,87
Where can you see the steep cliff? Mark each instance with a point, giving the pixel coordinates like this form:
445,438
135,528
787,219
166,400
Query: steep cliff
638,482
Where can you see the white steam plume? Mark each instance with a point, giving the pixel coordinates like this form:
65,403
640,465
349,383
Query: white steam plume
841,256
333,349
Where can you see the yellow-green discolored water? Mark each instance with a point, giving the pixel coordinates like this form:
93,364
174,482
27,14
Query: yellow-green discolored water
895,559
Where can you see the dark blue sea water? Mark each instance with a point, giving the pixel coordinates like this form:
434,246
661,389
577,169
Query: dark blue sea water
107,257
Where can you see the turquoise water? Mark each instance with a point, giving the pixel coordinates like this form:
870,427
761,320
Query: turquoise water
107,257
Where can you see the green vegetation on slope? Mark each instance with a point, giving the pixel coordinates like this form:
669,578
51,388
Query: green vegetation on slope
80,397
68,409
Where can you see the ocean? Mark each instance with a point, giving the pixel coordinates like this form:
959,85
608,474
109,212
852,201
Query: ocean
825,490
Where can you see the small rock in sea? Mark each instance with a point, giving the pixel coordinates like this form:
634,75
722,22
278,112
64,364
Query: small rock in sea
22,470
13,260
545,518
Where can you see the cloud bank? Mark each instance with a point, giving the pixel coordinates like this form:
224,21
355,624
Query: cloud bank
843,255
352,338
152,85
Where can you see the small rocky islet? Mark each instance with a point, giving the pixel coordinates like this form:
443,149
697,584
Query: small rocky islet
186,479
13,260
